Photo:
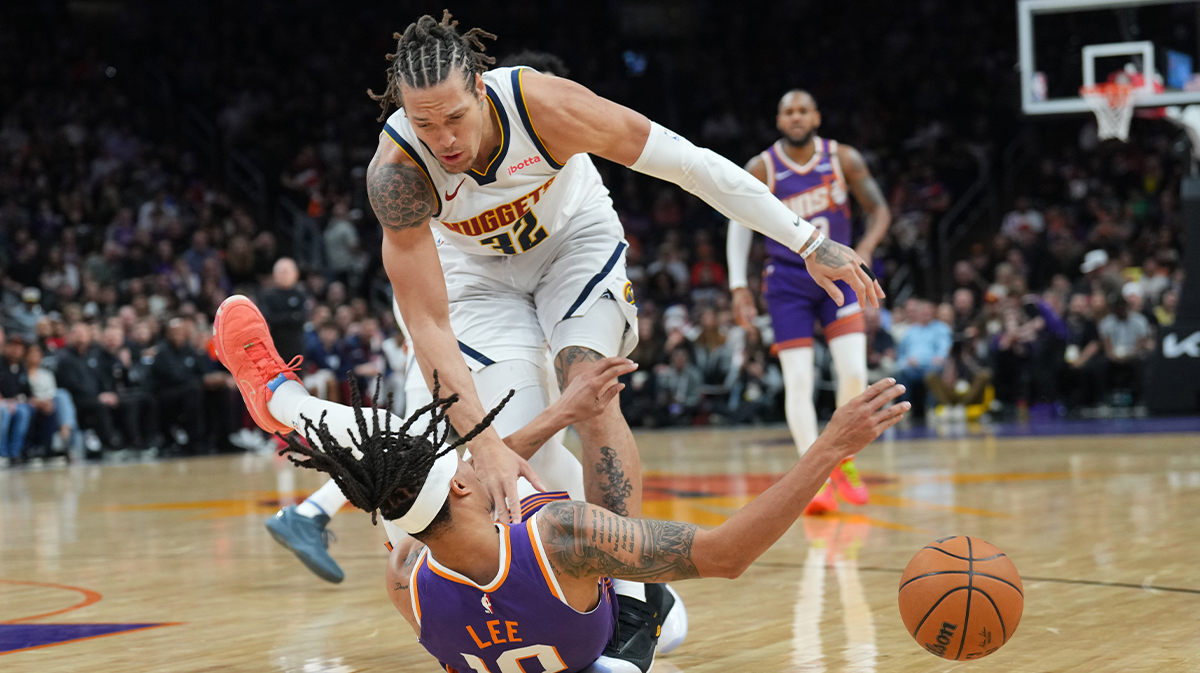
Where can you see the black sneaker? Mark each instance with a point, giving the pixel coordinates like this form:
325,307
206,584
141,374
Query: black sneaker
636,633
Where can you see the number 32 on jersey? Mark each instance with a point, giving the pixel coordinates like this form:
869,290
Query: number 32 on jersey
511,661
526,231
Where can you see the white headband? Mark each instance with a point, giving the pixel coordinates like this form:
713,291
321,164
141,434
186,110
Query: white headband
432,496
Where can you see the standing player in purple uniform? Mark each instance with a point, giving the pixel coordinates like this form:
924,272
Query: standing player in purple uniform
812,176
491,597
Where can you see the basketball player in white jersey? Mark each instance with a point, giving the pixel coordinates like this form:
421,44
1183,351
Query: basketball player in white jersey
496,161
812,176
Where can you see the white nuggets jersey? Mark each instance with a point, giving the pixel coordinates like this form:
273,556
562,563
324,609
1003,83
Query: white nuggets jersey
524,197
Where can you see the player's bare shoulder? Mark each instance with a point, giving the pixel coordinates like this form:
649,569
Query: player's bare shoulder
570,119
852,162
400,193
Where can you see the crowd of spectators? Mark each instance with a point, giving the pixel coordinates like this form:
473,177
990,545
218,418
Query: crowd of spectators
120,235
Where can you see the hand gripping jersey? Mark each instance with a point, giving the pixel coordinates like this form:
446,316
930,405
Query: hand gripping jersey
517,622
815,191
524,197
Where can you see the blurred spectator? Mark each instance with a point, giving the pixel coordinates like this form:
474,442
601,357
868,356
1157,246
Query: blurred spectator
1126,339
177,378
961,382
341,246
679,388
322,362
1164,314
1023,223
881,348
1082,376
921,352
23,319
122,374
284,308
15,412
77,373
55,410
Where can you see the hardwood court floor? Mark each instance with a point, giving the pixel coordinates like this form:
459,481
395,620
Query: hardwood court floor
171,560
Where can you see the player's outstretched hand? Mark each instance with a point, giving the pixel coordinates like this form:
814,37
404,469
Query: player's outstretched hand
861,420
591,392
499,468
834,261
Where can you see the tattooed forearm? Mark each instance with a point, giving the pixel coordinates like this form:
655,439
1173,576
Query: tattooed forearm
613,483
400,195
585,541
568,357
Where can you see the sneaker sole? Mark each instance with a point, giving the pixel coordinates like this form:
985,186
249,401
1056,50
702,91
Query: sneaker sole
308,563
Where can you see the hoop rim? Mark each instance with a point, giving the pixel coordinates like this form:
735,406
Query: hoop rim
1116,94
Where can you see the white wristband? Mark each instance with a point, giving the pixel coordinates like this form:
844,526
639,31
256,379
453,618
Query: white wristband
812,247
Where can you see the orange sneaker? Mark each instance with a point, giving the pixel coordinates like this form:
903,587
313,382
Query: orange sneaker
849,484
244,345
823,502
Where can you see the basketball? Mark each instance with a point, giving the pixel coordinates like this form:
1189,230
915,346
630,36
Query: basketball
961,598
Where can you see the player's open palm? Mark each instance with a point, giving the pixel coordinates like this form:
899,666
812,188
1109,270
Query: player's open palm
590,393
833,261
861,420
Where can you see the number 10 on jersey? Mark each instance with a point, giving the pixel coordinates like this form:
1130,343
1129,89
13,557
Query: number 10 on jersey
528,234
510,661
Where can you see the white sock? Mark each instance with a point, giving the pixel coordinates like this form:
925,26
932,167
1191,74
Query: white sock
634,590
849,353
286,400
798,396
326,500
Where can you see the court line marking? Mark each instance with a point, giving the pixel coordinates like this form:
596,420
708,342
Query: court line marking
1024,578
89,598
99,635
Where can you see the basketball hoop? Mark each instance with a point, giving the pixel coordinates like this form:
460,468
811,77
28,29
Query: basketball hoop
1113,104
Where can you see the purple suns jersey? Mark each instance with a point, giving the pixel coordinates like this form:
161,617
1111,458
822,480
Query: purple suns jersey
517,622
815,191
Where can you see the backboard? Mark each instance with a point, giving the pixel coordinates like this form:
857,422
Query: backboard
1067,44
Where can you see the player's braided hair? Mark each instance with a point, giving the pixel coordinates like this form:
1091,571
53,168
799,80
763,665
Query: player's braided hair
427,52
394,464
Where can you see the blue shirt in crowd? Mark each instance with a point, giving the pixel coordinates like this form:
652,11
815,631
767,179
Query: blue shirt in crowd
924,342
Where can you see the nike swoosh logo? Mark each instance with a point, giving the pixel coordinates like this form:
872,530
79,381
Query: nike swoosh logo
450,197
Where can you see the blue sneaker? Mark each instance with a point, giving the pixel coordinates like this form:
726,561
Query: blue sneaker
308,540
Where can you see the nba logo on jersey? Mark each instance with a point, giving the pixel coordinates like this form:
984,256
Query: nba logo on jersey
487,604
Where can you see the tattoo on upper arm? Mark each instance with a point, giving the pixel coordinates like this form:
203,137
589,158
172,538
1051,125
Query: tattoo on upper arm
400,195
587,541
567,357
614,485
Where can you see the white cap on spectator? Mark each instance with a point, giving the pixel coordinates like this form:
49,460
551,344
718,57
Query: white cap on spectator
31,295
1131,288
1093,260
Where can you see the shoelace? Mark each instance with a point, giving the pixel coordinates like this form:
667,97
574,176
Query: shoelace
263,360
851,471
326,534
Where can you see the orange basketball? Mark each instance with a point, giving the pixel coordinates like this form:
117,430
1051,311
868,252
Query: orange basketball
961,598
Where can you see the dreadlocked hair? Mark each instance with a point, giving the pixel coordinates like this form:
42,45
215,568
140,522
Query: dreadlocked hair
394,464
427,52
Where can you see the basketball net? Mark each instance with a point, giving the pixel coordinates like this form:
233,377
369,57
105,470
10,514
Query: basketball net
1113,104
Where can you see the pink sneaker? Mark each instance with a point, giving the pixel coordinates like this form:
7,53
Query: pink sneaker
849,484
823,502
